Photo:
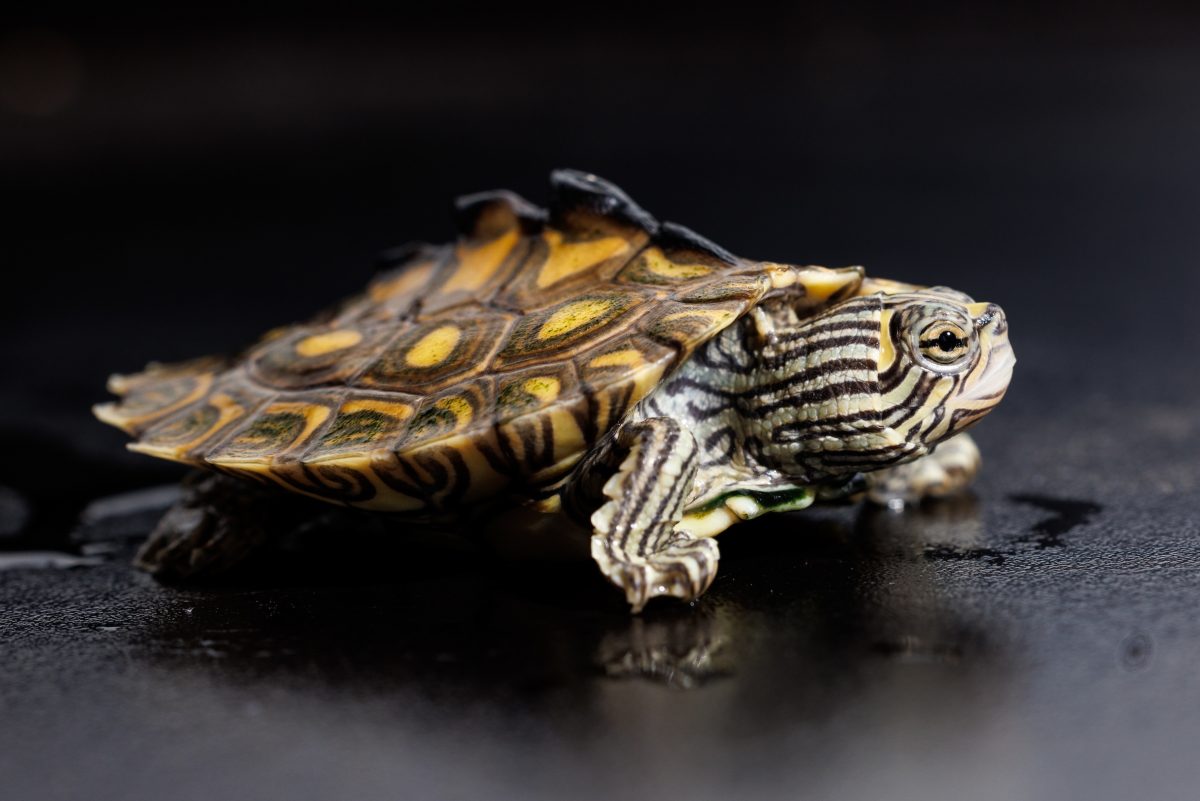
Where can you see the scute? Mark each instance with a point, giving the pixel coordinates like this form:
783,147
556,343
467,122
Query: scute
570,325
436,353
277,431
363,423
488,365
316,356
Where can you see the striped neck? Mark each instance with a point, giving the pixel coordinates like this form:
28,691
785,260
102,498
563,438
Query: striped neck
812,410
872,382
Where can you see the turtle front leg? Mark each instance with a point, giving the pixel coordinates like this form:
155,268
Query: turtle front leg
634,538
948,470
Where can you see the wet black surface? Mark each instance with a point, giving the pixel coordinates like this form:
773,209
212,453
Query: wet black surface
1036,639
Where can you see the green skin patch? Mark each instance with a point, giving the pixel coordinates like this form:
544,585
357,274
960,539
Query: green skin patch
768,501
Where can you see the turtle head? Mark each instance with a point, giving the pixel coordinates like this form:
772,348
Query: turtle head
877,380
944,363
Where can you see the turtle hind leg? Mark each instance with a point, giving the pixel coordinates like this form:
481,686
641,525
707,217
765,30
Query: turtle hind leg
951,467
634,538
214,527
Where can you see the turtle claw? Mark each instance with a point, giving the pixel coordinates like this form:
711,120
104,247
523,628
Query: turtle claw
684,569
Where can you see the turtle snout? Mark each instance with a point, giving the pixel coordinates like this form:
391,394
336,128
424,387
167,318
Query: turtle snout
998,358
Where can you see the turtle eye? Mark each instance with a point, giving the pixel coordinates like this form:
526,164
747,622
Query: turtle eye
944,343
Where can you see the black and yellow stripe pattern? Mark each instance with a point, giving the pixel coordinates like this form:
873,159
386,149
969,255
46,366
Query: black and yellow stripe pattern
649,383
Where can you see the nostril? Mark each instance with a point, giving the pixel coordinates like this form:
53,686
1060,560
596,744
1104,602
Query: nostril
989,315
985,319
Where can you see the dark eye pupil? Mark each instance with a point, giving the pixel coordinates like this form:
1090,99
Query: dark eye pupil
947,341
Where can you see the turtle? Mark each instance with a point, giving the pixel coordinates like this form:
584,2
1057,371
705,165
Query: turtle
587,361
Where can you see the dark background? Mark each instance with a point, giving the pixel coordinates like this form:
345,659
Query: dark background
178,183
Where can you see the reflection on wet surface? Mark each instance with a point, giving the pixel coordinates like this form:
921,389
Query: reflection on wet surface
831,638
435,610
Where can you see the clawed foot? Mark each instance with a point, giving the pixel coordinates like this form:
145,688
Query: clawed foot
947,470
683,569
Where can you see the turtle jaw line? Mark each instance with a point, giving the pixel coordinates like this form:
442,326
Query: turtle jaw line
994,382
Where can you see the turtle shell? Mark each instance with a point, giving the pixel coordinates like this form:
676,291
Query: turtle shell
467,370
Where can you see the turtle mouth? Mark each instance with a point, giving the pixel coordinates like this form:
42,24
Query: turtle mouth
996,376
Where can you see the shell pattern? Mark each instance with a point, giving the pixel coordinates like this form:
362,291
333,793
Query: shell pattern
484,367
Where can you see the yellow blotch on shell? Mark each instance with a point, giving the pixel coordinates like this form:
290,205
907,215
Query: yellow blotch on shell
568,258
574,315
476,264
629,357
659,264
433,348
458,406
544,388
320,344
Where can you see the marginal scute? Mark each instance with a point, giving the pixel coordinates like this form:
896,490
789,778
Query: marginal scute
454,411
362,424
525,391
190,432
154,395
273,432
